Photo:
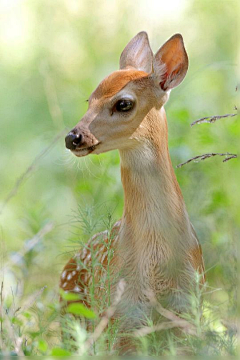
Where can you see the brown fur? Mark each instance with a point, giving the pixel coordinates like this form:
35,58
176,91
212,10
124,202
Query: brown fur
155,248
135,202
115,82
79,268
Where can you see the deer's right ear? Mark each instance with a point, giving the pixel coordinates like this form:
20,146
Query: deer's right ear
137,54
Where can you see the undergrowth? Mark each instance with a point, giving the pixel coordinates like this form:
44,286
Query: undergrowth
35,324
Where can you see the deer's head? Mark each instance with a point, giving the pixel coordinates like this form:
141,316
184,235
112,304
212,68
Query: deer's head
123,99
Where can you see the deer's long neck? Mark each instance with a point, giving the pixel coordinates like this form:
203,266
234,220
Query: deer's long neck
155,220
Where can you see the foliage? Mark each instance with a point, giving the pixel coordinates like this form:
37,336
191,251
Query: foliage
52,57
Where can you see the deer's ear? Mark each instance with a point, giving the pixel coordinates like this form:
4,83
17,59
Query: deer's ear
171,63
137,54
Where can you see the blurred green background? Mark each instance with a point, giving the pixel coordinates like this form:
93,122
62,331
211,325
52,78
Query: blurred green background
53,55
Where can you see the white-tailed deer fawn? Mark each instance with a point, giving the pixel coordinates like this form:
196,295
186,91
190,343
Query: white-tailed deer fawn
154,245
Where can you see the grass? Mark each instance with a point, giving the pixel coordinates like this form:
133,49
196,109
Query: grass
46,78
35,325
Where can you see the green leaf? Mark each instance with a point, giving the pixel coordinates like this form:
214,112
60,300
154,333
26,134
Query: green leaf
60,352
69,296
42,345
16,321
80,309
27,315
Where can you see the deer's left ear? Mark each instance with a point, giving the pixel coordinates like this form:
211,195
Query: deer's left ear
171,63
137,54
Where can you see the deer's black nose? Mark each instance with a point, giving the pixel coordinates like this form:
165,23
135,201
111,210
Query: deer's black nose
73,140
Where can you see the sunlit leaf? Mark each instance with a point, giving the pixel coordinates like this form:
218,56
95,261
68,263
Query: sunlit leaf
69,296
80,309
16,321
60,352
42,345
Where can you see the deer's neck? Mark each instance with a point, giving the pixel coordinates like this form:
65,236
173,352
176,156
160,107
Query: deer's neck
155,219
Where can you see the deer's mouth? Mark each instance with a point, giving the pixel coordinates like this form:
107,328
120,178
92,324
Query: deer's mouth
79,152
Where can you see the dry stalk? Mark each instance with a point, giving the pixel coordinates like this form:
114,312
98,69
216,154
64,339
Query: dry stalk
31,300
146,330
106,317
29,246
17,341
29,170
206,156
211,119
1,314
176,321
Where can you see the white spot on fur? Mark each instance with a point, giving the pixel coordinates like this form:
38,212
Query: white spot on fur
69,276
64,274
65,284
77,288
74,273
105,234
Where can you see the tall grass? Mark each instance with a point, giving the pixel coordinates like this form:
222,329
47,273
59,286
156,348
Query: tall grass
36,325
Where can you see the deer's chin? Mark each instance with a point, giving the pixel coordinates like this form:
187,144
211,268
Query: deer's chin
84,151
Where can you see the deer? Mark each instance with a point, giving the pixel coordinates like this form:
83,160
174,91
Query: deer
154,244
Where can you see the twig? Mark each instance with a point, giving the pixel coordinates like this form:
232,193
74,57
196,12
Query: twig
206,156
18,346
29,245
162,326
17,341
30,168
211,119
176,321
106,317
1,311
31,300
233,156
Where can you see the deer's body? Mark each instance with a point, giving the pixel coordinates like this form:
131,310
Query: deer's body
154,245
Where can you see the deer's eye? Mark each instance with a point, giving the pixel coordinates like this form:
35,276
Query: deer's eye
124,105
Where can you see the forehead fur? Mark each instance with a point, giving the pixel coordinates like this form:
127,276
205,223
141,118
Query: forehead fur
112,84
